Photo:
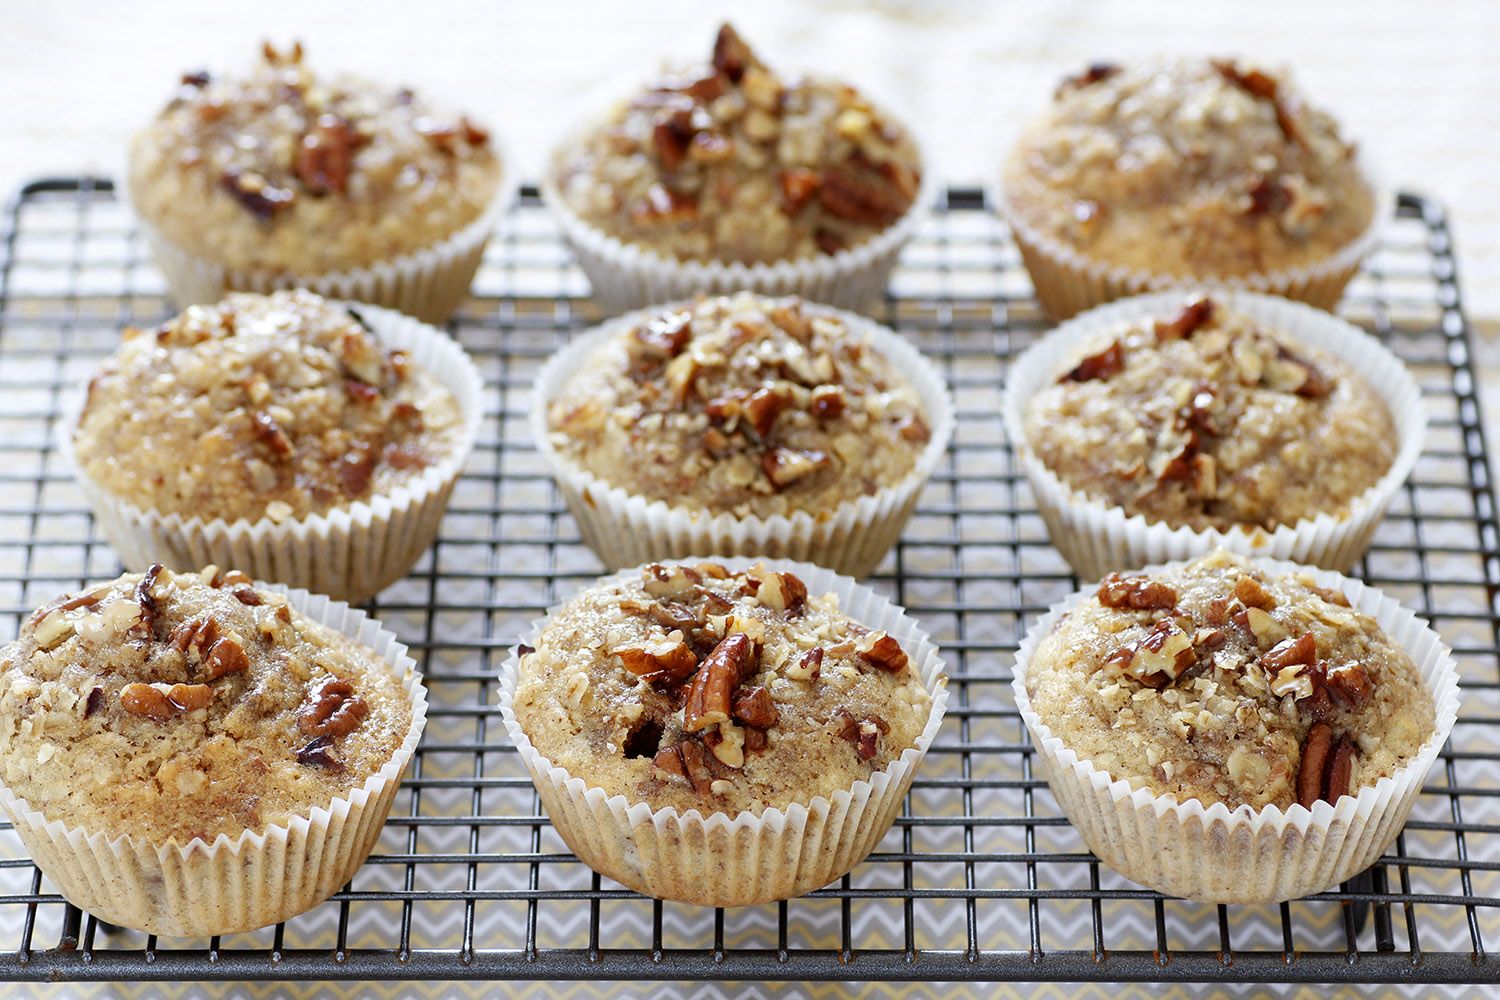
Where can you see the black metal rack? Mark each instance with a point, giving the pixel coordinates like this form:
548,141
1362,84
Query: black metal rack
981,878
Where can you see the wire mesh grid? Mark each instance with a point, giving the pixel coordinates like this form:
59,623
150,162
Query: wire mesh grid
980,878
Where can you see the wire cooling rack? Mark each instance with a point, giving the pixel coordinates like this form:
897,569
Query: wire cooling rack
980,878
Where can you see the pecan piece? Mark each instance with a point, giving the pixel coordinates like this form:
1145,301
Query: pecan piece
861,196
782,592
665,336
731,55
1194,316
708,700
763,407
863,733
332,709
688,760
662,204
324,156
827,402
269,433
674,659
754,707
95,702
260,199
1159,657
828,241
225,657
195,635
1268,196
798,187
1302,650
143,596
248,596
784,466
1095,73
1264,86
1327,768
882,651
159,701
1351,683
1340,770
808,667
318,752
356,467
1252,594
1137,593
1103,364
1311,383
68,602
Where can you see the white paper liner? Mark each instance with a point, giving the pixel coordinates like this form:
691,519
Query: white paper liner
1067,282
351,553
1097,539
1216,855
744,859
626,530
429,284
625,276
233,884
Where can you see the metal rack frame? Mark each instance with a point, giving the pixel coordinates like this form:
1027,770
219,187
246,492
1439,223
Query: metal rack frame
981,877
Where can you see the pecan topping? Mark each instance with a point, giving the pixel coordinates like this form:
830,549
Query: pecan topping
798,187
1193,317
754,707
199,78
827,402
319,753
763,407
708,700
809,665
359,392
672,659
356,467
784,466
731,55
248,596
225,657
143,596
324,156
196,635
662,204
1258,84
687,760
782,592
1310,383
1136,593
158,701
665,336
68,602
828,241
1268,196
1327,768
1094,74
1351,683
256,196
1105,363
882,651
332,709
1158,657
1289,652
1250,592
269,433
863,733
914,429
861,196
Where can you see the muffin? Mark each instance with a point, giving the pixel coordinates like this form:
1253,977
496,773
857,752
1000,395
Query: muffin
741,424
192,754
1164,426
281,177
723,736
726,174
313,443
1233,731
1182,171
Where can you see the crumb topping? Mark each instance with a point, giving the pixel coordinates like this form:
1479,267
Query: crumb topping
277,406
1207,419
180,705
283,148
730,161
1189,167
1220,682
701,688
745,404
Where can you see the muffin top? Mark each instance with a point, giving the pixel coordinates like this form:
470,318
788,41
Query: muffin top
700,688
1209,419
286,170
1191,167
1219,682
728,161
743,404
169,706
279,405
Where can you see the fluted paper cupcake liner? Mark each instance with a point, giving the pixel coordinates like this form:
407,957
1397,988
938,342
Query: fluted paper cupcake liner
430,283
1097,539
625,276
742,859
625,529
1067,282
1218,855
350,553
233,884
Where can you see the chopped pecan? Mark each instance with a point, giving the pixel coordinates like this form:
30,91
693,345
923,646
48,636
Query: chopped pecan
1158,657
95,702
914,429
674,659
1210,639
261,199
782,592
199,78
713,686
798,187
1194,316
269,433
1198,415
754,707
829,241
1261,624
325,154
318,752
159,701
248,596
1331,596
1103,364
1327,768
1094,74
863,733
1268,196
669,581
1138,593
665,336
1351,683
1250,591
784,466
827,402
809,665
146,599
1340,770
882,651
662,204
225,656
716,604
670,138
356,467
687,760
1289,652
861,196
731,55
332,709
755,739
67,602
1310,382
359,392
727,743
1264,86
763,407
195,634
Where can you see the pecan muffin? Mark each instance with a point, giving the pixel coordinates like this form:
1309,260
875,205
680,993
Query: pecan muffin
1169,172
1209,418
1220,682
723,736
164,709
285,174
312,443
275,406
